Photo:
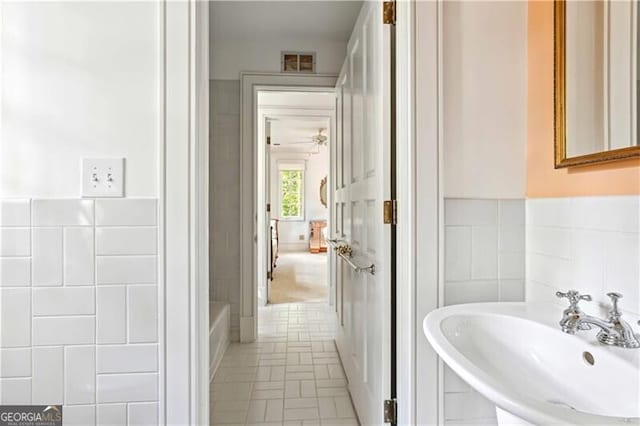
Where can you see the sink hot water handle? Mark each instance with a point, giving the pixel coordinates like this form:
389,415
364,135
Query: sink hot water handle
573,312
574,297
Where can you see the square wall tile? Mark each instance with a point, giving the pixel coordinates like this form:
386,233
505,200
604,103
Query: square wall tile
126,212
457,253
127,387
63,331
127,359
47,257
15,242
15,362
15,213
71,212
79,258
511,266
112,414
512,212
126,269
470,291
553,212
63,301
15,391
15,271
607,213
143,414
622,269
79,375
511,238
47,376
79,415
470,212
484,252
512,290
111,314
126,241
142,311
15,317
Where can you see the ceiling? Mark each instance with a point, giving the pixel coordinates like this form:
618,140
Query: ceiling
238,20
288,132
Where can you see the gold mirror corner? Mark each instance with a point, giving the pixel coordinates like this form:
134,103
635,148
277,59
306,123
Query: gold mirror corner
587,128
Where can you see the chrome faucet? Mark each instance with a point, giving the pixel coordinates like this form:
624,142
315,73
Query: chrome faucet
613,331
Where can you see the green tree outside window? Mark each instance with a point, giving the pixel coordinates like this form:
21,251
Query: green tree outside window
291,188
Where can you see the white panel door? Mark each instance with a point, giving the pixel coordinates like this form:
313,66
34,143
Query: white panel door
361,182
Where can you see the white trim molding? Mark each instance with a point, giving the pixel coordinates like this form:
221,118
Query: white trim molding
183,215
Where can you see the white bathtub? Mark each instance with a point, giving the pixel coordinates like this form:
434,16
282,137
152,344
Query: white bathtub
219,328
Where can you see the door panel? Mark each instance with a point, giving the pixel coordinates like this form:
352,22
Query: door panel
363,182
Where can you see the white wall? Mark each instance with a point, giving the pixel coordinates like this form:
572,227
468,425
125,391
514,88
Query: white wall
231,57
485,99
484,169
79,79
317,168
83,79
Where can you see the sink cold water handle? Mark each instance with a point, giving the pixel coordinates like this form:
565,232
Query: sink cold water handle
614,314
574,297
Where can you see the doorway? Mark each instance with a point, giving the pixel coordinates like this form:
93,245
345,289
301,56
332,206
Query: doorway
296,130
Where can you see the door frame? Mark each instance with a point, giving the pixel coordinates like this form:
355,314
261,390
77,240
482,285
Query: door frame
418,44
183,211
419,159
250,84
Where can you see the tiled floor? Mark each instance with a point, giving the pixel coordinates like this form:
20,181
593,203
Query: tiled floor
291,376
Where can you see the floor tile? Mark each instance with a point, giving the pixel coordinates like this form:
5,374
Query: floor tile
291,375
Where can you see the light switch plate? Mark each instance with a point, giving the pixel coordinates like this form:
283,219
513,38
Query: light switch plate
103,177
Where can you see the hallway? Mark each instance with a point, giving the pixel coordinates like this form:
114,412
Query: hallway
300,277
291,376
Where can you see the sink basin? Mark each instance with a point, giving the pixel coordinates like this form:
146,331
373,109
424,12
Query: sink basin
516,356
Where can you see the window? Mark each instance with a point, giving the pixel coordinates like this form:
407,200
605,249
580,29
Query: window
291,192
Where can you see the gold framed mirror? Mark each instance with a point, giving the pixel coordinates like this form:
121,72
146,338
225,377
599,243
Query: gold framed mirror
323,191
596,54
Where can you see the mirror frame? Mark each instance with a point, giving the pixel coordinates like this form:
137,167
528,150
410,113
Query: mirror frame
559,93
323,184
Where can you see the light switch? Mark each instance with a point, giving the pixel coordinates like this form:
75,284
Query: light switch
103,177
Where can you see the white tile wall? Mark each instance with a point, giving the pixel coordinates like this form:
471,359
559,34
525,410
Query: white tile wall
15,213
484,262
15,272
79,256
484,250
46,260
589,244
15,362
224,179
78,298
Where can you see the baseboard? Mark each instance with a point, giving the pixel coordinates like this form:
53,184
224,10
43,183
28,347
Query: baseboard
247,329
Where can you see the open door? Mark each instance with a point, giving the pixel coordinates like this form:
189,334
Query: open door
362,182
267,191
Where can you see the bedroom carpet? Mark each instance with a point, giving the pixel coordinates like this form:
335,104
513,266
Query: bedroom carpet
300,277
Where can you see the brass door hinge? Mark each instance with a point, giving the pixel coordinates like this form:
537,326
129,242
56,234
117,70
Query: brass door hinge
269,208
390,214
268,140
391,411
389,12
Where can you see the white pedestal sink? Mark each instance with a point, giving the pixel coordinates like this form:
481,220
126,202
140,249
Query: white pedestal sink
516,356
